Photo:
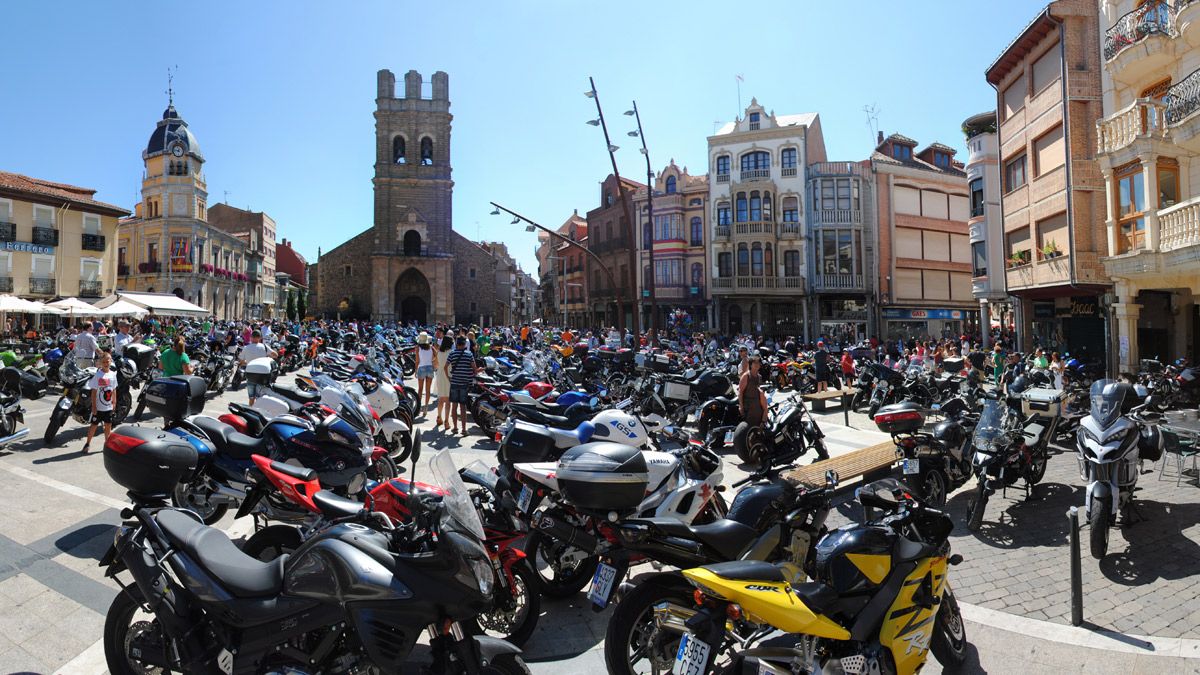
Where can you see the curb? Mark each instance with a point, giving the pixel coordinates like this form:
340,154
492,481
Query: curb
1088,638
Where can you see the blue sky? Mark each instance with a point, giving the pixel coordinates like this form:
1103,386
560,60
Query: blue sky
281,94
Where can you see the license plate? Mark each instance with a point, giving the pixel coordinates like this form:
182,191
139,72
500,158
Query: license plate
524,499
912,466
728,438
692,656
602,583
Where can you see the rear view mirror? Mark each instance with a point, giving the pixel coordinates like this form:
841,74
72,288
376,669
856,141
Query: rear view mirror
593,402
416,447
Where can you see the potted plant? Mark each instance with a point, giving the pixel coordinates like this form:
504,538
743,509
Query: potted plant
1050,250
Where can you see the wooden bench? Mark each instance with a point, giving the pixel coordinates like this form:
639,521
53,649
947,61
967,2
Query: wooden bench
861,462
820,398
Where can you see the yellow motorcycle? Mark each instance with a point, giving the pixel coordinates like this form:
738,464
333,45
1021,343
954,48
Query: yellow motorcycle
879,602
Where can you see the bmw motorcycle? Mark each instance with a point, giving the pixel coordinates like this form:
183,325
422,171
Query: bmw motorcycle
354,598
76,400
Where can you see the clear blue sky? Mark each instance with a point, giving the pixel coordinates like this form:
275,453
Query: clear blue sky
281,94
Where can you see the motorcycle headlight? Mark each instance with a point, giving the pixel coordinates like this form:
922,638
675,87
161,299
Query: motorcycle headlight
482,569
356,484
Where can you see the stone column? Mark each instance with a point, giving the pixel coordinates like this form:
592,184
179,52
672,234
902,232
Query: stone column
1125,315
1110,218
985,326
1150,182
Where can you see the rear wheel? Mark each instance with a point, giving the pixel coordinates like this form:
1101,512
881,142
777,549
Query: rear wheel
197,497
128,630
383,469
1099,520
976,507
562,570
933,488
634,643
1037,467
750,443
949,645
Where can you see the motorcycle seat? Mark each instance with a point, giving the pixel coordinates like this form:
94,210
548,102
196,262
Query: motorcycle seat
747,570
291,392
815,595
335,506
727,537
229,440
568,438
242,575
727,400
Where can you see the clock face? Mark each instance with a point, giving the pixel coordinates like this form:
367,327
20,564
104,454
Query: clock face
177,151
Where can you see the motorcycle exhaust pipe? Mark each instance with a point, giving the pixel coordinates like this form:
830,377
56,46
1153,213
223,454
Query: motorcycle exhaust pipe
15,437
567,533
672,617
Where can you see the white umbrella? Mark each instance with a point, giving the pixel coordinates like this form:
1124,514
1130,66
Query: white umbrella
11,303
122,308
75,305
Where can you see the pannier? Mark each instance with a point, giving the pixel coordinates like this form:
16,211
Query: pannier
176,397
600,478
900,418
147,461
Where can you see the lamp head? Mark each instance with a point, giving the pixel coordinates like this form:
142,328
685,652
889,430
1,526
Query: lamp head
634,133
594,123
495,211
631,113
515,220
613,148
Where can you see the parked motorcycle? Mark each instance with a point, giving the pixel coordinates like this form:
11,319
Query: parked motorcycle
933,463
787,434
76,400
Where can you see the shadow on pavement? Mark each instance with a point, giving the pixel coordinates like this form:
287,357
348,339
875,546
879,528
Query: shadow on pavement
88,542
1156,546
1014,522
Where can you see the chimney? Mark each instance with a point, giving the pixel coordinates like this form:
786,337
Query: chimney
879,138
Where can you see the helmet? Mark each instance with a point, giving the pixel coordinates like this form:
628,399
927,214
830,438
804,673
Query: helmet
713,384
1150,443
620,427
1018,385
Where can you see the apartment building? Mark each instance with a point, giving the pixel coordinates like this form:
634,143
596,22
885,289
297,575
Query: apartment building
257,231
843,273
571,286
1047,85
552,269
1148,144
610,238
756,200
680,253
986,224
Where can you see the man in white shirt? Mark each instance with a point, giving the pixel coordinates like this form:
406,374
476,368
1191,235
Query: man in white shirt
121,339
255,350
85,347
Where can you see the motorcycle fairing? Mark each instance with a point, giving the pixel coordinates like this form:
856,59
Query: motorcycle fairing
772,601
909,626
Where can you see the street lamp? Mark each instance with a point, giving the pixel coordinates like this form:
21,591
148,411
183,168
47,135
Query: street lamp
639,133
530,226
632,231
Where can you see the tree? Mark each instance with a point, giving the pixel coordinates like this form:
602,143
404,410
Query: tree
291,305
302,303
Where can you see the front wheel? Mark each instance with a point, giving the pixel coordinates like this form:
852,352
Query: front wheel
56,420
949,644
558,576
383,469
1099,520
976,507
634,643
130,630
506,664
124,403
514,615
141,406
933,488
1037,467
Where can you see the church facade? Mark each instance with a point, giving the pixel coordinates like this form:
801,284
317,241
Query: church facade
411,265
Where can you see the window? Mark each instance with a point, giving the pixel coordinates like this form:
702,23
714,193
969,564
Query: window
1014,173
743,210
398,156
668,273
1019,246
743,262
1047,70
89,269
471,273
843,194
828,190
91,224
787,158
724,264
647,280
976,187
697,273
696,202
766,207
723,165
979,258
426,151
121,261
791,263
474,307
152,252
838,252
1131,204
1048,151
901,152
646,236
756,259
755,206
768,260
1014,97
756,161
5,211
43,216
754,121
697,231
43,267
1168,183
791,210
723,213
670,185
941,159
668,227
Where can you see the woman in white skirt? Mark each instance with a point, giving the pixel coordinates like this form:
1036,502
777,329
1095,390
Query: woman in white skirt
441,383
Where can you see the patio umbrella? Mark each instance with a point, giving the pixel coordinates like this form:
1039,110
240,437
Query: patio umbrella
122,308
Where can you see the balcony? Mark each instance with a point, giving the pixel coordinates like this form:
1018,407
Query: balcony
722,178
788,171
89,289
45,236
1044,272
834,169
8,232
753,228
1139,43
40,286
837,217
122,270
1179,226
770,285
6,284
789,230
1182,101
1144,119
152,267
838,282
722,233
754,174
92,242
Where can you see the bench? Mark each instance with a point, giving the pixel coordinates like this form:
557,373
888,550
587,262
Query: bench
862,462
820,398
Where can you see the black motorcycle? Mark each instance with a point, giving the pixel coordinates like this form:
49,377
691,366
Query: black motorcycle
787,434
1007,447
76,399
353,598
933,463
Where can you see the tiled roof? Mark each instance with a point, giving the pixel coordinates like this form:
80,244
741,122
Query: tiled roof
915,163
57,192
901,138
944,148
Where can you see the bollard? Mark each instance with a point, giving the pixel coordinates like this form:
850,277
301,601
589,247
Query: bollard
1076,568
845,407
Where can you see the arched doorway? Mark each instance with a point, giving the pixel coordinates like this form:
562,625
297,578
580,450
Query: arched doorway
412,243
178,293
413,298
735,319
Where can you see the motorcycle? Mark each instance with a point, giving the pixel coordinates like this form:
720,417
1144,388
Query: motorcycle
788,433
353,598
76,399
935,463
880,600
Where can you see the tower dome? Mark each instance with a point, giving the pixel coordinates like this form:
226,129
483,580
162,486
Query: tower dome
170,133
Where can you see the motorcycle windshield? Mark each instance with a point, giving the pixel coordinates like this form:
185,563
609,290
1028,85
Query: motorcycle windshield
456,500
991,423
1106,402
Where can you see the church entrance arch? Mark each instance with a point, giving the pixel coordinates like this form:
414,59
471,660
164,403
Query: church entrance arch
413,297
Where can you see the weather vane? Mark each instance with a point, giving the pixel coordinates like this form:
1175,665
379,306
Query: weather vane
170,86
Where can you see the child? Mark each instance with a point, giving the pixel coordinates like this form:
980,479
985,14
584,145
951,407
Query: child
104,394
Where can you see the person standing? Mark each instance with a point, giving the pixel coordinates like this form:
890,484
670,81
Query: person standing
255,350
847,368
752,402
821,363
175,360
104,395
997,364
426,366
441,379
85,347
1057,367
460,368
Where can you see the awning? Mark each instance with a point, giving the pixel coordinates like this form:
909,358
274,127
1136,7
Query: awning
123,308
11,303
76,306
164,304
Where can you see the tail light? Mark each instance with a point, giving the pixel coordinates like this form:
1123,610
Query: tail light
122,444
499,436
504,398
903,416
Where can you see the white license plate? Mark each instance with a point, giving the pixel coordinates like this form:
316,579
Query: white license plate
912,466
602,583
524,499
728,438
692,656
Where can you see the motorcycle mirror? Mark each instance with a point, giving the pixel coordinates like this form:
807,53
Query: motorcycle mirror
593,402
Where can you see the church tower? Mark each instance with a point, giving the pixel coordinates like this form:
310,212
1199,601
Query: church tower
413,240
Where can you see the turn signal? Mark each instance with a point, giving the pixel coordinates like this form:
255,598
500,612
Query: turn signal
698,597
733,612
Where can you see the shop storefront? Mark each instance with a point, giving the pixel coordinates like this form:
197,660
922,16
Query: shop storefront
927,324
843,321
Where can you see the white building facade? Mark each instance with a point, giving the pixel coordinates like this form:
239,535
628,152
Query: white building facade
985,222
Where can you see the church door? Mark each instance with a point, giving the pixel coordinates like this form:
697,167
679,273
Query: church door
413,297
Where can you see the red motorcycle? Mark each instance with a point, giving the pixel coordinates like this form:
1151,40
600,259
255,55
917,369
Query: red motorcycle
516,600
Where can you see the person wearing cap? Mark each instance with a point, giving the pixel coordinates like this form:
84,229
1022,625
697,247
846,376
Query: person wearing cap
821,363
427,362
255,350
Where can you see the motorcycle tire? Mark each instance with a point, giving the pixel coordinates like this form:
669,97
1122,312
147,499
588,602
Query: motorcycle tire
383,469
402,453
557,586
632,623
520,630
1037,469
56,420
121,410
413,399
141,407
118,623
485,420
271,542
932,488
505,664
975,509
873,408
749,443
949,644
1098,522
181,498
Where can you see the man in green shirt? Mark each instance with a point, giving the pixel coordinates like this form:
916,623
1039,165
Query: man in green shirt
206,327
175,361
484,343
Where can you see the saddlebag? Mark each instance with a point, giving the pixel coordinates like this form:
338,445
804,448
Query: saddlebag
176,397
527,443
147,461
600,478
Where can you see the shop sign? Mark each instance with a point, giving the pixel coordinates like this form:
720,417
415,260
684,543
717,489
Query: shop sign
1043,310
26,247
1081,305
922,314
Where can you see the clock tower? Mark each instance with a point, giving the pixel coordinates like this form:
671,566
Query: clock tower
173,183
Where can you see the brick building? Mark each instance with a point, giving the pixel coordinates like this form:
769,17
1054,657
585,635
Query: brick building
680,246
411,265
609,238
1052,189
257,231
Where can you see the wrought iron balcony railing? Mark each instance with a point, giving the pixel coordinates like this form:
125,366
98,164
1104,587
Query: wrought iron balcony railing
6,284
1152,18
8,231
89,289
45,236
40,286
1183,98
93,242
